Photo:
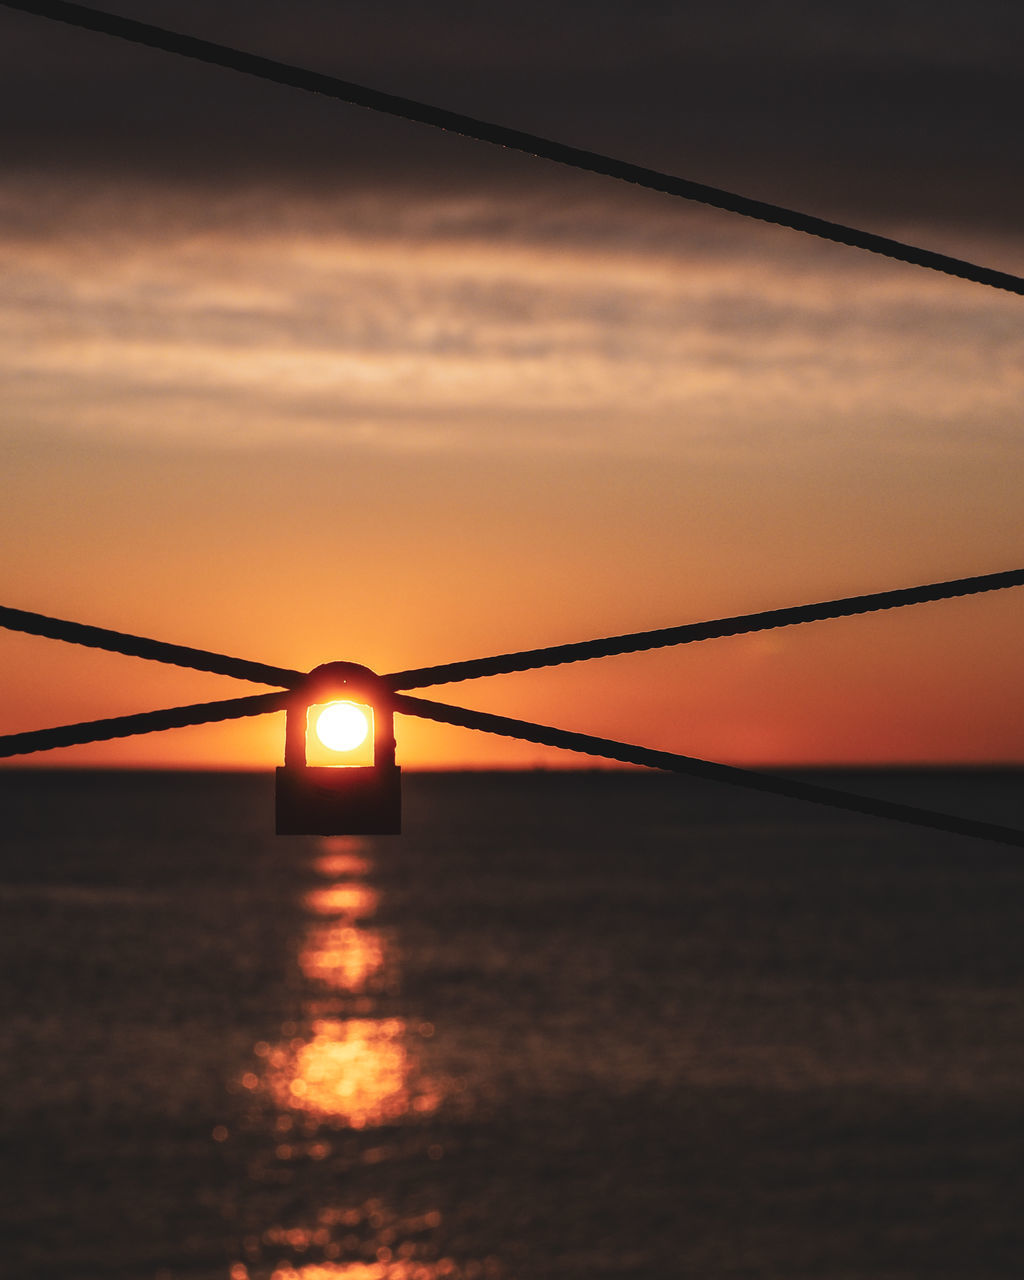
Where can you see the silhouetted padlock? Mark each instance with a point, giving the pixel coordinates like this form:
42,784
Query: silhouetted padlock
340,799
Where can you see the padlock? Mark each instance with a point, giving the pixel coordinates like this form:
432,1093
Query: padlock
341,799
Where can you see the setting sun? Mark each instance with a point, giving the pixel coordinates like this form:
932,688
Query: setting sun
342,726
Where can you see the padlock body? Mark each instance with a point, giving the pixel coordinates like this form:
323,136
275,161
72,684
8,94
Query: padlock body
325,800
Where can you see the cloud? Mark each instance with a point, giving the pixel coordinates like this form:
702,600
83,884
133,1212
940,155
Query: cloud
456,325
896,111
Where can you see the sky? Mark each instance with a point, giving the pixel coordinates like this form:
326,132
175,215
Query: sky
288,380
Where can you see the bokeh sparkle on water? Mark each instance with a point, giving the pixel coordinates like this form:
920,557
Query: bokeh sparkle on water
347,1071
565,1027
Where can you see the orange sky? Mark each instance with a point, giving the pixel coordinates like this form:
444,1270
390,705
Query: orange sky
401,447
406,424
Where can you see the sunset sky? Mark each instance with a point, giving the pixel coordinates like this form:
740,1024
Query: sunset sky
291,381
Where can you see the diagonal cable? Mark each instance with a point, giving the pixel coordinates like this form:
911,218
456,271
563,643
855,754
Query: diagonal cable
688,633
625,753
72,735
154,37
179,655
553,655
524,731
39,624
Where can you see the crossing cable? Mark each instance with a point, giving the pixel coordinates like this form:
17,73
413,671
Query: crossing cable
178,655
525,731
744,624
39,624
156,37
258,704
76,735
174,42
773,784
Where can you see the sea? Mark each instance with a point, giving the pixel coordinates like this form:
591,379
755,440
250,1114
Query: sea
568,1026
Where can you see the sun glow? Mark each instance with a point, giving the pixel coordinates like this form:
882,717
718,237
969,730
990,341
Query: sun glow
342,726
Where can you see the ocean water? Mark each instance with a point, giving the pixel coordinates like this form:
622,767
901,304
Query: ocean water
569,1025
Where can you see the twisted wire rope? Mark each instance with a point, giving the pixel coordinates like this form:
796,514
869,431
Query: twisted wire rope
671,762
541,735
174,42
75,735
204,660
145,647
688,633
178,655
625,753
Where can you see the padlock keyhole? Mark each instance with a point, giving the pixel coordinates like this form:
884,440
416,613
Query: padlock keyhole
339,734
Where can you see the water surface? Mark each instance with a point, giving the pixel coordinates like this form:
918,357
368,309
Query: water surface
573,1026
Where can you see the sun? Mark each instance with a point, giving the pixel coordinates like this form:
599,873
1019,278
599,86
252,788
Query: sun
342,726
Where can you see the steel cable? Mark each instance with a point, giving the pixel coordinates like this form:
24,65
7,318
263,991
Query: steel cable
178,655
39,624
524,731
773,784
154,37
74,735
202,660
688,633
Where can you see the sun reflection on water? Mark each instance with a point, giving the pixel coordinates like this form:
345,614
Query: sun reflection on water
357,1071
350,899
341,1070
342,957
341,856
400,1270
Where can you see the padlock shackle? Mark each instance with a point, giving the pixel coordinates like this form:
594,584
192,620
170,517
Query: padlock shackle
340,681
